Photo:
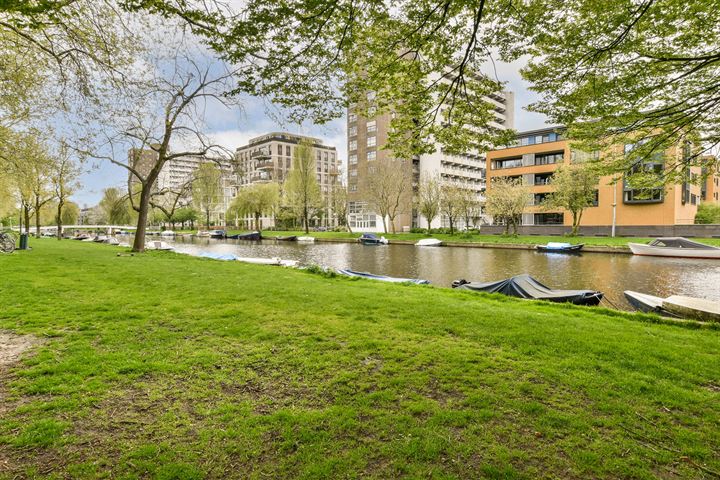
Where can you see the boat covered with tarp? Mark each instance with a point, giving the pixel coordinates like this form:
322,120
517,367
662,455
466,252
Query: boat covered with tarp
382,278
372,239
560,247
525,286
251,236
675,247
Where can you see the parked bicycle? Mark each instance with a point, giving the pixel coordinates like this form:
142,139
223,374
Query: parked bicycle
7,242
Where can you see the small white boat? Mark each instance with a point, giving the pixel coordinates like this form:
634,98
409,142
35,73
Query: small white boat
429,242
88,239
167,233
646,303
203,233
112,241
695,308
675,247
306,239
158,245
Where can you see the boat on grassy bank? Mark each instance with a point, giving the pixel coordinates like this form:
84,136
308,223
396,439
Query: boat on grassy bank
560,247
306,239
381,278
675,306
525,286
158,245
675,247
288,238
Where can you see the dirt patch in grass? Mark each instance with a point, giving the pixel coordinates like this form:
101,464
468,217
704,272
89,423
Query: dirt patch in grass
13,346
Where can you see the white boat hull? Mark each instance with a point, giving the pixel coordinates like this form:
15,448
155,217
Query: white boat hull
696,308
306,239
429,242
649,250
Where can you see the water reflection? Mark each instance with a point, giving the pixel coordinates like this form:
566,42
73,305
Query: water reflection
608,273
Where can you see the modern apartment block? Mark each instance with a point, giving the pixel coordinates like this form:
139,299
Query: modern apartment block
366,138
268,158
537,155
176,176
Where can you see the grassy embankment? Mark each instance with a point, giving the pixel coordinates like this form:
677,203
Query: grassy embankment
167,366
492,239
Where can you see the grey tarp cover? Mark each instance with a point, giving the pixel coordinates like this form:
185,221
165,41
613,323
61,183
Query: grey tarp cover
524,286
680,242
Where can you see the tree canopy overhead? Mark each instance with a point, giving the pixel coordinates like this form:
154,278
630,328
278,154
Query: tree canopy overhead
615,72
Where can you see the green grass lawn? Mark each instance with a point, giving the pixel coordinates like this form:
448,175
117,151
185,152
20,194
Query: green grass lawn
172,367
480,238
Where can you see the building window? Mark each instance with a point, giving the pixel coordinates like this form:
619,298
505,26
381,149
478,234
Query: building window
371,141
352,131
548,219
371,111
353,172
352,188
352,159
371,95
288,152
371,155
352,145
646,194
596,199
352,117
371,126
693,199
539,198
549,158
279,149
501,163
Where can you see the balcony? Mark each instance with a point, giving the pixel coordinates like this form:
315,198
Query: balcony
260,154
261,177
265,164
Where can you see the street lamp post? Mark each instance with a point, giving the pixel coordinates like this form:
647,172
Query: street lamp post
614,209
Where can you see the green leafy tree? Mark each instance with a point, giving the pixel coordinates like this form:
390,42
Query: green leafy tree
301,189
451,204
388,184
428,198
64,179
575,187
115,207
70,214
207,189
640,70
339,204
506,200
256,200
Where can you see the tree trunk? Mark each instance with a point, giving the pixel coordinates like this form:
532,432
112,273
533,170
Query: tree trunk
59,220
257,222
207,218
37,217
384,224
452,225
139,242
306,219
27,219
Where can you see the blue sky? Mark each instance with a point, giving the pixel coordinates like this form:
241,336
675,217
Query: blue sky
233,128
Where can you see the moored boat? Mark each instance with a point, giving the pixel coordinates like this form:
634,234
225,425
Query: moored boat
382,278
675,247
218,233
158,245
694,308
306,239
560,247
429,242
203,234
251,236
112,241
167,233
372,239
525,286
100,238
289,238
646,303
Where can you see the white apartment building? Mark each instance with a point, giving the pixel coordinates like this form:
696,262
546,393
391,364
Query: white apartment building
366,136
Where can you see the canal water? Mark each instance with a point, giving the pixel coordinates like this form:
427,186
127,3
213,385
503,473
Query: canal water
608,273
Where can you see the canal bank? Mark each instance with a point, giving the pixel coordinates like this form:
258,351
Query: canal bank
511,246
